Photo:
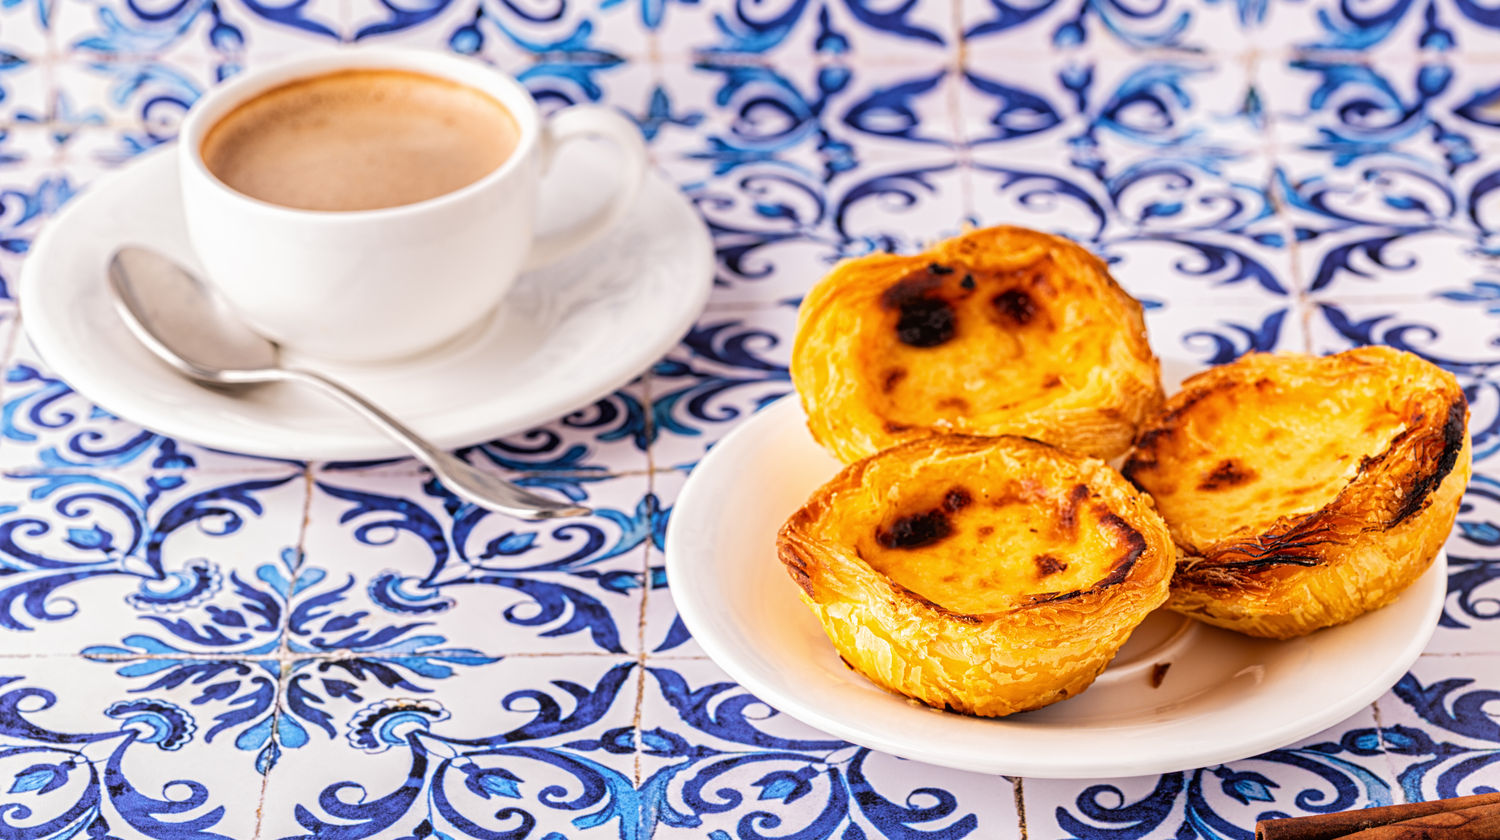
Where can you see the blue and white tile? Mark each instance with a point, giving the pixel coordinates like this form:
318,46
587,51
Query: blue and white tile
1196,106
1348,107
1471,614
509,35
1053,25
25,85
606,437
859,30
142,102
402,565
662,631
1440,726
1322,195
1167,229
1190,336
32,189
897,205
609,436
1089,196
47,424
1203,265
26,28
772,236
1333,28
1385,225
89,753
716,761
1460,336
146,559
1340,769
732,364
722,114
753,109
512,747
103,30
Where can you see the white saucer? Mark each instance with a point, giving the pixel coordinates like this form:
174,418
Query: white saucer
1224,696
564,337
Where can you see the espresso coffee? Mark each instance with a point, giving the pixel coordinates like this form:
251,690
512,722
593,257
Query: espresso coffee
360,140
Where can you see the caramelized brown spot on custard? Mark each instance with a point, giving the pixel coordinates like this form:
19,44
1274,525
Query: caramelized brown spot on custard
915,531
926,322
953,403
893,378
986,530
1068,516
1046,565
1015,307
1228,473
925,319
957,499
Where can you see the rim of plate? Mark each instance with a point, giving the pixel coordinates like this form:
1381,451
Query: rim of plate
1035,766
463,426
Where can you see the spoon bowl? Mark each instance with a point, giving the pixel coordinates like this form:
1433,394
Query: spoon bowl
186,323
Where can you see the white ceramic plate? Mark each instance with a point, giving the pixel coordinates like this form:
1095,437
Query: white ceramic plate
1224,697
564,337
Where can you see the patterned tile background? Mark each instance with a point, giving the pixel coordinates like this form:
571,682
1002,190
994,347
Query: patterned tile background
196,644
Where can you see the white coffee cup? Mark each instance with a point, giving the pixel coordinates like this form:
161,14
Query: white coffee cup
378,285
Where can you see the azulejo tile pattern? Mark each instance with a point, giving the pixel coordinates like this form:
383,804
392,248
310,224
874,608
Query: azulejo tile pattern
197,644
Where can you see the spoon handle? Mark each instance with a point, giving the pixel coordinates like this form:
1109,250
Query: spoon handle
466,482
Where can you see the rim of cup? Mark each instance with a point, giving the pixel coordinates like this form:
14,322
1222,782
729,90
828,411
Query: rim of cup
218,101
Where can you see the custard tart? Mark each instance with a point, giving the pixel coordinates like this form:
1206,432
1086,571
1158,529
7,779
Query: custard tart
999,331
979,575
1305,491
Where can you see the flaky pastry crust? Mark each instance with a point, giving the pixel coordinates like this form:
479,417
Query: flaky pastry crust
1305,491
999,331
979,575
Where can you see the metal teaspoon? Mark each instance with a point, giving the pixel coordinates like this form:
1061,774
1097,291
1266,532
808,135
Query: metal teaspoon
189,326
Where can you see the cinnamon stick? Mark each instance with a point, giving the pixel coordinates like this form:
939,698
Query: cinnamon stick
1482,822
1342,824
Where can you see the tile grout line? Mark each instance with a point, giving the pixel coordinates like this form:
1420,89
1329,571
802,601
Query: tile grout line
1270,148
1018,791
1390,764
283,654
640,676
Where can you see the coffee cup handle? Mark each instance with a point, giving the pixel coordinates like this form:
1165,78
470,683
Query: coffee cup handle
591,122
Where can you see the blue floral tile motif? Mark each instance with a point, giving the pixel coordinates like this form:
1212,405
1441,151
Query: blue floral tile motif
1473,604
1105,27
141,102
1454,335
1206,108
589,444
149,560
80,755
1391,224
1188,338
217,33
716,761
828,29
1341,769
510,749
732,364
809,123
405,561
1440,728
46,425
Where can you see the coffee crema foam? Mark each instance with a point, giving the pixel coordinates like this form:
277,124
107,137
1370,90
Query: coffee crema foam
360,140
